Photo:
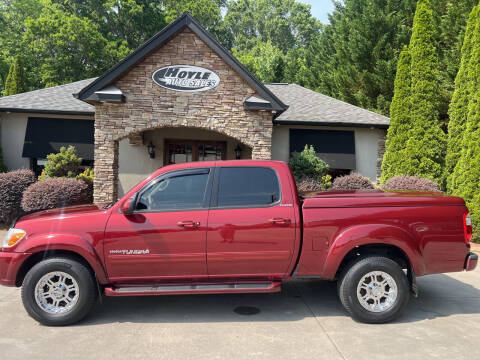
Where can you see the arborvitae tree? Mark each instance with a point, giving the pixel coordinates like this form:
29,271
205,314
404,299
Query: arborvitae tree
425,151
466,177
458,110
400,121
15,80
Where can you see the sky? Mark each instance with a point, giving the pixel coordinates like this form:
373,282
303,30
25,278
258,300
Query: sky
320,8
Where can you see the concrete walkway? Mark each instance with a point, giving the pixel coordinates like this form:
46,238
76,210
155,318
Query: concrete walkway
305,321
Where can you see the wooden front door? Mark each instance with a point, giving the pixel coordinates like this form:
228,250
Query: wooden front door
181,151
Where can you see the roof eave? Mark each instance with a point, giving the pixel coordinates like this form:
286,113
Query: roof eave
322,123
43,111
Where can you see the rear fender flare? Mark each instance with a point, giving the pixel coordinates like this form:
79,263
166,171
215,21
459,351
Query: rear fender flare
66,242
369,235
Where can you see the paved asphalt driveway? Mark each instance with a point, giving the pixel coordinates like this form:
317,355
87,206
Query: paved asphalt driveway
305,321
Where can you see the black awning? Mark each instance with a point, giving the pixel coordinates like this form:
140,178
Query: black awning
47,135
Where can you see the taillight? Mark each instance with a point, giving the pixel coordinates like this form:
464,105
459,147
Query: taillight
467,226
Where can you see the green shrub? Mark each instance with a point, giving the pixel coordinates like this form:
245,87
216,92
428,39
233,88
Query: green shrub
65,163
307,164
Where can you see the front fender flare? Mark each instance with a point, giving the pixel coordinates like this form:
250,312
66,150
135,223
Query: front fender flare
66,242
372,234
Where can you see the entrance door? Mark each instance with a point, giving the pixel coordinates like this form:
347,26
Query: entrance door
250,233
165,237
181,151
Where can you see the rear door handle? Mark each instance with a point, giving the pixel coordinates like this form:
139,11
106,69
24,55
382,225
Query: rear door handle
280,221
188,224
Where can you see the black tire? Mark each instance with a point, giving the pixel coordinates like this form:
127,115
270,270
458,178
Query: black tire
86,294
355,272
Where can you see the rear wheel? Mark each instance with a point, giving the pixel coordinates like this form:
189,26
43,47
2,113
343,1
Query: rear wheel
58,291
374,290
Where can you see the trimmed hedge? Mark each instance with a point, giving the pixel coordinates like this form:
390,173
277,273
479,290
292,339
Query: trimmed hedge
308,184
55,193
352,182
12,186
411,183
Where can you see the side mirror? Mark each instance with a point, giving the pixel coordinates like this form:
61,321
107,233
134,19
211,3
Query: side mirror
128,205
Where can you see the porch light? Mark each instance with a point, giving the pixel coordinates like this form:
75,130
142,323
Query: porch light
238,152
151,150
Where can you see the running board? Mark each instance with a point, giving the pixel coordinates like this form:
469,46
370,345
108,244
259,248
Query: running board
265,287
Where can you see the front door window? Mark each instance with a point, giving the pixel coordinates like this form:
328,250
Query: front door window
181,151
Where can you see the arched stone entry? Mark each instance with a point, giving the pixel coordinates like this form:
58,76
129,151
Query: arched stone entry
253,132
172,145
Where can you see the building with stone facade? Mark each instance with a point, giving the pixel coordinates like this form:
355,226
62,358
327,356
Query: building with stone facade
182,97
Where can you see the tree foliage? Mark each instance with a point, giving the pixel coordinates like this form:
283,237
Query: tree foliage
14,84
307,164
400,120
458,110
425,150
65,163
465,181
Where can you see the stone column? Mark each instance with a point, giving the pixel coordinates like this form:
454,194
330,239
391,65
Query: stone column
106,171
382,136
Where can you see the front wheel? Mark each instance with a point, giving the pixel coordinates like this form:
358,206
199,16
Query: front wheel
374,290
58,291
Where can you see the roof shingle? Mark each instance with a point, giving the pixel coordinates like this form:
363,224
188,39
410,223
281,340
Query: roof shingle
306,106
52,100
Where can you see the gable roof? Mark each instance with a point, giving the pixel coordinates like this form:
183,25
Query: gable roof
308,107
52,100
186,20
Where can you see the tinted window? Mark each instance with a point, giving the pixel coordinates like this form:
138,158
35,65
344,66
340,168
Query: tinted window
247,186
181,192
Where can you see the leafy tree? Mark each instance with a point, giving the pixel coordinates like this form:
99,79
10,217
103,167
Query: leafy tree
307,164
14,84
400,121
264,60
425,148
458,110
284,23
65,163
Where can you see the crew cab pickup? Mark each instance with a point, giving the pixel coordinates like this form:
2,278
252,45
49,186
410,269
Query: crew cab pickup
234,227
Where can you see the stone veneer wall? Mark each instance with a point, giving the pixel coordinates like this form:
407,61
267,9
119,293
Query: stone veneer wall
380,152
150,106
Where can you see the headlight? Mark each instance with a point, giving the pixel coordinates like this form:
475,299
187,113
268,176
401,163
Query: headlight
13,236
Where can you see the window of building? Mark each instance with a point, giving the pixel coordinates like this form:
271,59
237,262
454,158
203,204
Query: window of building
247,186
181,151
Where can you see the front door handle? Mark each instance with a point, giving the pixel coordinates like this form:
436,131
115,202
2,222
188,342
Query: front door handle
188,224
280,221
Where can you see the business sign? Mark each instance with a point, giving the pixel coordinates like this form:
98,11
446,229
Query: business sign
186,78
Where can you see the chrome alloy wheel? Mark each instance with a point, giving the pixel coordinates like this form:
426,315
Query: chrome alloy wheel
377,291
56,292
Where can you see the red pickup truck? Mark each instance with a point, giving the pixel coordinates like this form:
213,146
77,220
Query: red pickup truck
234,227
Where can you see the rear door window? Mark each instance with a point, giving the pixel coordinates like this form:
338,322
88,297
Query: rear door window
247,187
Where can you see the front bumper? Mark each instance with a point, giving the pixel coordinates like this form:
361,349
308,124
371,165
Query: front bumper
10,263
470,262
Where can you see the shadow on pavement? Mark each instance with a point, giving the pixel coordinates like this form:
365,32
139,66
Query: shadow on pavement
440,296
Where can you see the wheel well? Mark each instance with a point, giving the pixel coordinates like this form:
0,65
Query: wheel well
42,255
389,251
